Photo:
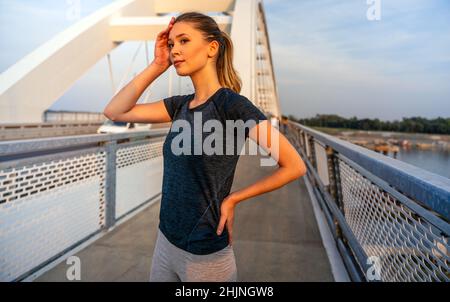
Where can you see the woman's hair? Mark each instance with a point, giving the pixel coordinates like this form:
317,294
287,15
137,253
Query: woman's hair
228,77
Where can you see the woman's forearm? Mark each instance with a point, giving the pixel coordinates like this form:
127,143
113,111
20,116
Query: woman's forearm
127,97
279,178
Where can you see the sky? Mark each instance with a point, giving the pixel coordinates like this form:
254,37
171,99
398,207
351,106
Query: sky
328,57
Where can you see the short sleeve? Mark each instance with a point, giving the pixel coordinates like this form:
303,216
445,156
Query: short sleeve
173,103
240,107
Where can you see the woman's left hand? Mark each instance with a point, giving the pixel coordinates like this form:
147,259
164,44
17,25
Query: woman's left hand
227,216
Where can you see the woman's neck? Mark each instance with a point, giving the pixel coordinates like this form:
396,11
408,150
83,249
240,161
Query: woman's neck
205,83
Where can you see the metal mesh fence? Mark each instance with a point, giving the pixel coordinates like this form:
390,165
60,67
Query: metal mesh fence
46,207
55,199
402,245
383,233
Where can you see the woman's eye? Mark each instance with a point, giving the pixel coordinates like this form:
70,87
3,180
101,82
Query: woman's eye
183,40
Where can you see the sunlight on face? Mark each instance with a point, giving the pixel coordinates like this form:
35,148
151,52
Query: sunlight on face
186,43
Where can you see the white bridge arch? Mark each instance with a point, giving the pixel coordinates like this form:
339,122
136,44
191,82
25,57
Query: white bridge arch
34,83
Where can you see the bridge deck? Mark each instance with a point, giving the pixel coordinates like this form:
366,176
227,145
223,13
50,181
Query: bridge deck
276,238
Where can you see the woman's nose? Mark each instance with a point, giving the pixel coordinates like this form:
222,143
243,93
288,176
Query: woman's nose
174,51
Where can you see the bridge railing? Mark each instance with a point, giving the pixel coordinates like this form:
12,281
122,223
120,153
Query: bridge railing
18,131
390,220
57,193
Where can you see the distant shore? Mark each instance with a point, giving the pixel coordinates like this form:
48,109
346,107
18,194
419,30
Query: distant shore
390,141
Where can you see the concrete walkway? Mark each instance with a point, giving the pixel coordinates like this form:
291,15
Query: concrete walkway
276,238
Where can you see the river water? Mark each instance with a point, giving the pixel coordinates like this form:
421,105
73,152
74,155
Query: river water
436,161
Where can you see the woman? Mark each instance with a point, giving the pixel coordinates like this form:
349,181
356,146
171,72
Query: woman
194,240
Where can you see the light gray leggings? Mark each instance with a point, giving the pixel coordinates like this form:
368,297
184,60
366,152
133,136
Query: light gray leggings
170,264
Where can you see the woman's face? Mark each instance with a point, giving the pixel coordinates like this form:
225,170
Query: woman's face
187,44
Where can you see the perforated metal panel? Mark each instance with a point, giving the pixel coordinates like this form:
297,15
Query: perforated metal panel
322,163
308,152
47,207
408,247
138,175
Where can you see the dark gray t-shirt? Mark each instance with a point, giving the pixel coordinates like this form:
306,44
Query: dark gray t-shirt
194,185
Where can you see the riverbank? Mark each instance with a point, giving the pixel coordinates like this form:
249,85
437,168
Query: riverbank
392,141
427,151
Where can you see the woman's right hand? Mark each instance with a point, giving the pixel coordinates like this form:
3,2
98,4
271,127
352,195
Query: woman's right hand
162,50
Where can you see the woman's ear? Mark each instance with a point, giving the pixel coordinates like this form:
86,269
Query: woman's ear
213,48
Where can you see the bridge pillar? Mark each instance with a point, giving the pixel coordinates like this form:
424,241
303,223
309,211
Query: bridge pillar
110,185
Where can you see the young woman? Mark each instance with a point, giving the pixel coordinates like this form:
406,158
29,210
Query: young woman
194,240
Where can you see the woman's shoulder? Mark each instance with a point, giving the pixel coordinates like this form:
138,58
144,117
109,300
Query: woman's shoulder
175,102
179,97
232,98
237,106
230,93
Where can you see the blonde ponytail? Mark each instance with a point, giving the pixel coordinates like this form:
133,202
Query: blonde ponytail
228,76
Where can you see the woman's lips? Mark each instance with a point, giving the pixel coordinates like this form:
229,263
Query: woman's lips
178,63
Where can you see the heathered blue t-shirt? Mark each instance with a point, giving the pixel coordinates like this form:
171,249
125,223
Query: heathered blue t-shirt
195,184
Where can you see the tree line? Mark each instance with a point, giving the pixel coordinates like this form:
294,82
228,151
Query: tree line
411,124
